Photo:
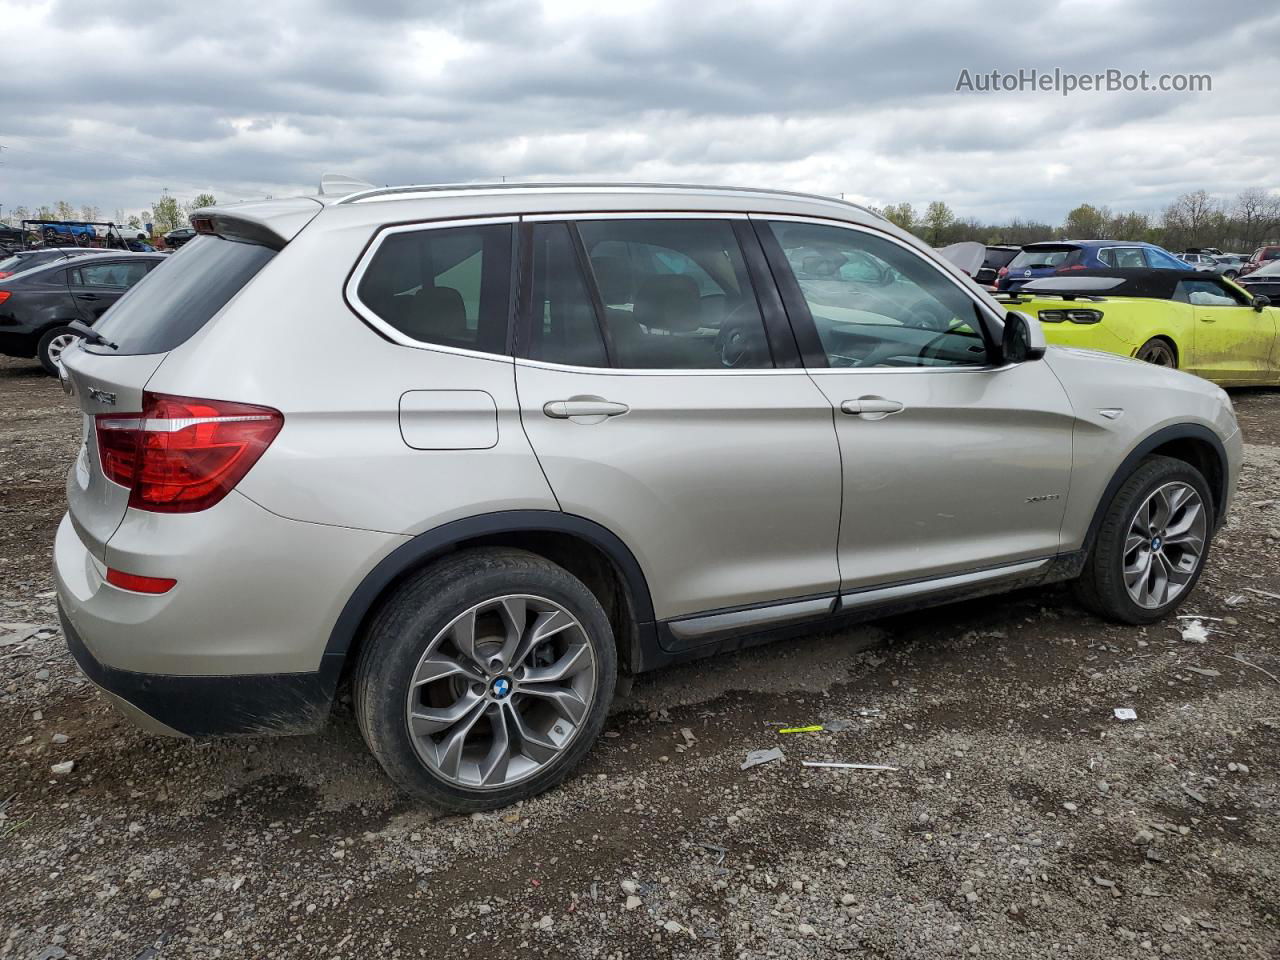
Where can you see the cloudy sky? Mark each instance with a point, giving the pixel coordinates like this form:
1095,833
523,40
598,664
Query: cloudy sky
110,103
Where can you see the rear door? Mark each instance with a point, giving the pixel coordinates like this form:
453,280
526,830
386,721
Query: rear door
951,465
1233,341
97,283
664,399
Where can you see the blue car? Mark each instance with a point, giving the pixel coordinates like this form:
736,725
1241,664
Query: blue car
1064,256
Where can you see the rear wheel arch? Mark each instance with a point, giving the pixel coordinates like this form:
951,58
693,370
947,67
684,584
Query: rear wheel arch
588,550
1166,340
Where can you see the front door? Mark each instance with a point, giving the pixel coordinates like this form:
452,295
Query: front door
658,407
951,465
1233,341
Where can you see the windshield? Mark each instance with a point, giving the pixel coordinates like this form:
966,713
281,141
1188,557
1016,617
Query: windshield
182,294
1041,257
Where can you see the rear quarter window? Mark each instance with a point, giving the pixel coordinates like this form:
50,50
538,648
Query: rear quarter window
181,295
447,286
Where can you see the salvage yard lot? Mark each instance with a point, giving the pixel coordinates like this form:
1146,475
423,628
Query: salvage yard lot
1025,820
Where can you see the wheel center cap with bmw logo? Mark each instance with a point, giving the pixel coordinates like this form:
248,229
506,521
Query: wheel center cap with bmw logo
500,687
1156,543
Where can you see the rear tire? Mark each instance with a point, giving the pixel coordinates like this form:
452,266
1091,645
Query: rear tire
1159,352
1136,555
445,690
52,343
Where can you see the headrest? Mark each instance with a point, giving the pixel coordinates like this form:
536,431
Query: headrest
669,302
615,279
436,313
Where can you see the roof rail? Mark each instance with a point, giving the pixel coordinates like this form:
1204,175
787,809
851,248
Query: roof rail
377,192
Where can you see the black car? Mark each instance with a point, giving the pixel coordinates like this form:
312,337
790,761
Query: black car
10,236
38,306
998,255
1264,282
21,260
176,238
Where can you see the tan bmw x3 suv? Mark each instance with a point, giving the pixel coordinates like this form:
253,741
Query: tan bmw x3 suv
474,450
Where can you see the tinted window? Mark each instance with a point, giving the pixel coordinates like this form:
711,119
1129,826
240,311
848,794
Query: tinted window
997,258
876,304
111,273
676,294
563,325
181,296
1029,259
449,286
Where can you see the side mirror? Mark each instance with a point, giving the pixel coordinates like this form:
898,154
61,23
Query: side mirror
1260,301
1023,338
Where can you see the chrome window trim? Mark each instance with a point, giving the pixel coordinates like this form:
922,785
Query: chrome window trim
368,315
920,255
635,215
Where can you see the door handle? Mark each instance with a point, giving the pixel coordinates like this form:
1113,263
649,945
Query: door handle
583,407
87,296
871,408
1208,320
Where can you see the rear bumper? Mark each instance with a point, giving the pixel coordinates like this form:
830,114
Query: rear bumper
262,704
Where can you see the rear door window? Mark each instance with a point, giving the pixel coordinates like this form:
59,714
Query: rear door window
182,295
449,286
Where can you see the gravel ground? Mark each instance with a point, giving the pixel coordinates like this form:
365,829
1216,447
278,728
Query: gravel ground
1024,820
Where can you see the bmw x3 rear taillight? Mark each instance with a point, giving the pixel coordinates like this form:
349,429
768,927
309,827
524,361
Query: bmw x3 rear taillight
182,454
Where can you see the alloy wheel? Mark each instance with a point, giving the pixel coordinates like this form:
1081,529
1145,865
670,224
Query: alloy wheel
1165,545
1158,353
58,345
501,692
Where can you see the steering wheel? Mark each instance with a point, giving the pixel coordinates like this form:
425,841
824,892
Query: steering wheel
929,315
733,342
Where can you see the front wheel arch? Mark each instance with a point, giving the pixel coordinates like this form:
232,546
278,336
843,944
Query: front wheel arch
1189,442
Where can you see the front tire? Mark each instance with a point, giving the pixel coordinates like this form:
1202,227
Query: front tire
51,346
1151,546
1158,351
485,679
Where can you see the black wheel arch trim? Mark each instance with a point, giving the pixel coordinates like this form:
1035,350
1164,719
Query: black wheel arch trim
1144,448
438,541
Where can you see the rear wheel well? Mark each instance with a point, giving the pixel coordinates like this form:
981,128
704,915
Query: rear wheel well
593,566
1167,341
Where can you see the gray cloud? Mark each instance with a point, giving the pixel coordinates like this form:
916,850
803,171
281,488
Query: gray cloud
254,98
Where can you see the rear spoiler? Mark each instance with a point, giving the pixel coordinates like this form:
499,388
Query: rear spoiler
1015,296
269,223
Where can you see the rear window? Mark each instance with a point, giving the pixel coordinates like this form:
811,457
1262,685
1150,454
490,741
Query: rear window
1029,259
998,258
182,294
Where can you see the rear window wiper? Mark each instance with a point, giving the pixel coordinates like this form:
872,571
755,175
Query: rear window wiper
92,335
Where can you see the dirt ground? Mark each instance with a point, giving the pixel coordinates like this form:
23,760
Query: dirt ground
1024,820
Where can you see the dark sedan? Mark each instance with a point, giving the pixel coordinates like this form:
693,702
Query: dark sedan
1264,282
176,238
38,306
21,260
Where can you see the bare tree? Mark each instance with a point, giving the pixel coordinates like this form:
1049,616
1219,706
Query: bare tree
1257,216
